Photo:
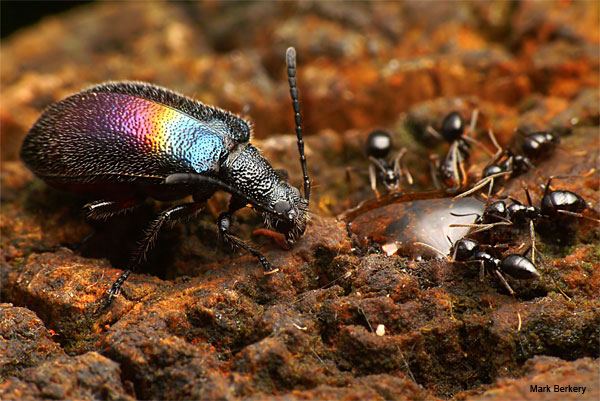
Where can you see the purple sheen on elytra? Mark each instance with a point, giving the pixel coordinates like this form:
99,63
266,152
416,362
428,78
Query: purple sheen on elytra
109,133
397,227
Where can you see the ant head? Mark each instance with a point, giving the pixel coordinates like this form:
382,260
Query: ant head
521,164
497,208
453,126
464,249
379,144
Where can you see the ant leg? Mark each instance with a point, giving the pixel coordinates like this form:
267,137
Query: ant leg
431,131
482,183
467,136
434,249
373,180
580,215
499,150
532,234
515,200
455,163
474,116
103,209
552,177
434,164
482,227
481,270
528,196
400,168
547,187
504,282
225,223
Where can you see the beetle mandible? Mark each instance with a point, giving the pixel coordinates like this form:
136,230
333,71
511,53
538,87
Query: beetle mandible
122,142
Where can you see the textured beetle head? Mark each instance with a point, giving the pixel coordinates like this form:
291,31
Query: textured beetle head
292,209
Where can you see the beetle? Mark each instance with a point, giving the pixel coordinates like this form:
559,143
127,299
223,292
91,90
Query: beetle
122,142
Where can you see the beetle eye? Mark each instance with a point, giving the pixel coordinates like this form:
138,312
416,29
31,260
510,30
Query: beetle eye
296,192
282,207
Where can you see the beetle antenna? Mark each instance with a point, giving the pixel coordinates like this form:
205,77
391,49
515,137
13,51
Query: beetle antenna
290,58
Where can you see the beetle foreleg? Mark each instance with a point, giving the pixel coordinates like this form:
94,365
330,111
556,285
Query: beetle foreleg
225,223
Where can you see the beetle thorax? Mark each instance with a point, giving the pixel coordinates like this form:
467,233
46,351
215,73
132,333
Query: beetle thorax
246,170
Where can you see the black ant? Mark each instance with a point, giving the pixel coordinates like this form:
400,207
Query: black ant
379,144
554,205
451,168
506,164
518,266
467,250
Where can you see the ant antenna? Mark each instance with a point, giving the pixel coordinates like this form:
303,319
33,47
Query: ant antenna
434,249
290,58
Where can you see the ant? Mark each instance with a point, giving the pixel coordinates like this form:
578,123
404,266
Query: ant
518,266
451,168
467,250
379,144
554,205
506,164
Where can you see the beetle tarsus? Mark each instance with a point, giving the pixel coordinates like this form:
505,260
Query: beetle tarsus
116,287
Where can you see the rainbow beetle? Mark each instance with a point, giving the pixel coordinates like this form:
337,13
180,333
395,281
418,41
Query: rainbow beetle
125,141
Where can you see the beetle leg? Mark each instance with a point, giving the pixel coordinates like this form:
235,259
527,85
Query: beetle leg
103,209
225,223
171,215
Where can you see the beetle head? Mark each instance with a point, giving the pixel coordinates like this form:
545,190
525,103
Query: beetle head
291,208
